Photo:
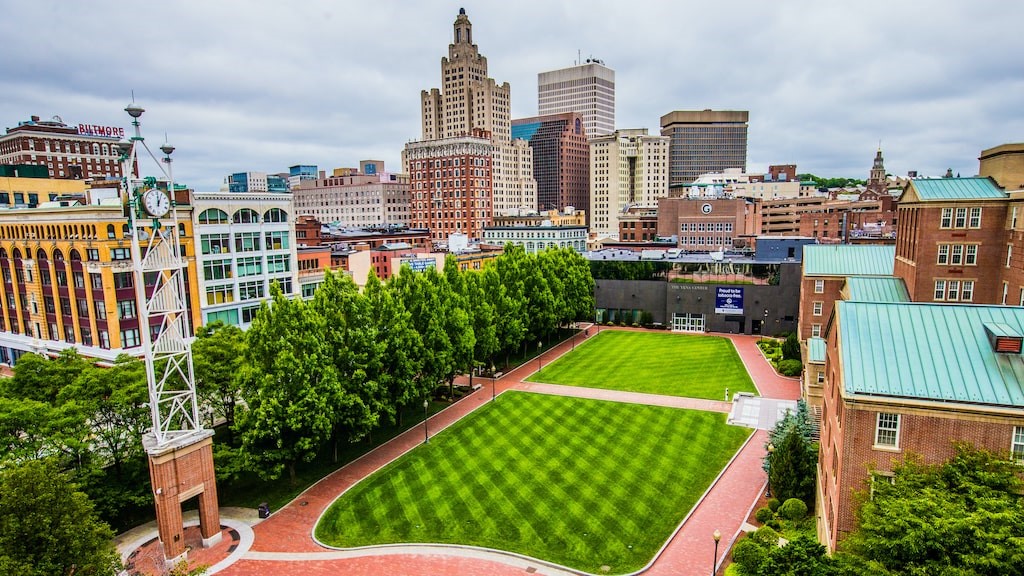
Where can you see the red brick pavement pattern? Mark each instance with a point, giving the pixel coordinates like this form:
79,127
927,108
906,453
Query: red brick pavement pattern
405,565
149,558
768,382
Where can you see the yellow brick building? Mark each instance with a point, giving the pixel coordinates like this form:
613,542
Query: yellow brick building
34,191
67,280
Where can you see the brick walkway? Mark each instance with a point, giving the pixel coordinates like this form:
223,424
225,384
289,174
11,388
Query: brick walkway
284,544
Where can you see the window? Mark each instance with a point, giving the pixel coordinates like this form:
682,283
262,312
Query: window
887,430
213,216
246,216
247,242
940,290
815,330
967,291
123,280
947,218
817,308
961,218
309,290
225,316
250,290
956,255
214,243
249,266
952,290
249,313
217,270
79,279
97,281
971,254
277,240
819,286
101,309
126,309
278,263
120,254
1017,444
65,307
975,221
1009,254
83,307
821,377
943,254
130,338
220,294
275,215
69,334
62,278
86,336
47,303
104,339
92,255
285,284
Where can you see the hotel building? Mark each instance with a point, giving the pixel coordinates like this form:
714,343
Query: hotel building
76,152
628,168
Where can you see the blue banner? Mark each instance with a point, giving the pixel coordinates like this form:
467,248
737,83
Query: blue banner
728,300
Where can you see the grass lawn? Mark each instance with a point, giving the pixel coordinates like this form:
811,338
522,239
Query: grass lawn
653,362
584,483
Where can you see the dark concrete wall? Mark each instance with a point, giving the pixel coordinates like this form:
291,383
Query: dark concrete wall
663,299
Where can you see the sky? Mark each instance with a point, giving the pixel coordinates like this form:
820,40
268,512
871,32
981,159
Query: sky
263,85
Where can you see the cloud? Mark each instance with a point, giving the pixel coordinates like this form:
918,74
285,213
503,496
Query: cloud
262,85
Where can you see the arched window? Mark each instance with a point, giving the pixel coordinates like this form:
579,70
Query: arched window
3,254
106,150
40,255
110,231
17,254
246,216
275,215
75,256
58,255
181,229
126,231
96,149
213,216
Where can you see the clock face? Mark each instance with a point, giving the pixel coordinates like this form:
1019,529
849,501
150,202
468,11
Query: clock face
156,202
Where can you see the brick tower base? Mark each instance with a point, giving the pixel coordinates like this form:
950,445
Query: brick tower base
179,471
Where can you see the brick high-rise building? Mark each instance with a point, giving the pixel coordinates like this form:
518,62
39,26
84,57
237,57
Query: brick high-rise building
85,151
705,141
587,89
561,159
470,105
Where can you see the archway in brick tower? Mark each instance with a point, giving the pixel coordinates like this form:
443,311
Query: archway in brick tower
182,474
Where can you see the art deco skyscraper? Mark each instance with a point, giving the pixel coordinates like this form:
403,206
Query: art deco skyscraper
459,120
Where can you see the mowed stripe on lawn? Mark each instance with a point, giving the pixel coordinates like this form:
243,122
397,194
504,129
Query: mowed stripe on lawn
584,483
656,363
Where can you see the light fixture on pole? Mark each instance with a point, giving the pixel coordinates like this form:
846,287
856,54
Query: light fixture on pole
717,536
493,379
771,450
539,365
426,435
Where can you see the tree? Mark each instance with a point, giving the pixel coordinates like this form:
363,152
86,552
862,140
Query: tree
457,315
419,292
288,384
791,347
792,463
48,527
41,379
508,291
802,556
962,517
485,333
397,361
32,430
217,356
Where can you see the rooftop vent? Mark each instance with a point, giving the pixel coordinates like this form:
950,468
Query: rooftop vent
1003,338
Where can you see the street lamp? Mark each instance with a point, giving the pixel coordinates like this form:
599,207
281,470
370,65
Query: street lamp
539,365
771,450
493,378
426,436
717,536
764,324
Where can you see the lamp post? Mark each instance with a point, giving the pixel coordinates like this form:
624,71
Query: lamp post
493,379
764,324
717,536
771,450
426,435
539,365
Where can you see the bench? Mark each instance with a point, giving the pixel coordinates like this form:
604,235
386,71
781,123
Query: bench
477,387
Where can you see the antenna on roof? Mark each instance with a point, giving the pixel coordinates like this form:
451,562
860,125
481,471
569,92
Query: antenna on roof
579,57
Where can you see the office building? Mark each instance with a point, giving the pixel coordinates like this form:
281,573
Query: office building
471,108
77,152
705,141
561,159
587,89
628,168
537,238
256,182
358,199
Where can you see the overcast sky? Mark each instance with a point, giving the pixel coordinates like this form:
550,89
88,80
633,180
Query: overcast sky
262,86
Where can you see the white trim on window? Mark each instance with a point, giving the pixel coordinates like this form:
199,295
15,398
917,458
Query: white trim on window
819,286
887,431
1017,444
816,309
815,330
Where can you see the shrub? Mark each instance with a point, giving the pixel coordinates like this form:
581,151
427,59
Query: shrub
763,515
790,367
773,504
793,509
766,536
791,347
749,555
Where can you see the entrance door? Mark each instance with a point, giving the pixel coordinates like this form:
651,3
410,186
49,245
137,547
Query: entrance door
755,326
688,323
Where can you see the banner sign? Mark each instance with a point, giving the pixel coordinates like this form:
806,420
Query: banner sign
728,300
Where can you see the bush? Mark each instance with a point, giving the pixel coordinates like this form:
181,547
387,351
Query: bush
763,515
791,348
774,524
790,367
749,555
765,536
773,504
793,509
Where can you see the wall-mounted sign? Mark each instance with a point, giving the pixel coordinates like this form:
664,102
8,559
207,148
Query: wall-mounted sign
94,130
706,208
419,264
728,300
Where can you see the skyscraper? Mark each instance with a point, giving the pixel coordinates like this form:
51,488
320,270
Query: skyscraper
704,141
469,120
587,89
628,168
561,158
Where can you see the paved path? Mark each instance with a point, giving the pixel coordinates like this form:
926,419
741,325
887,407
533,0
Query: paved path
283,544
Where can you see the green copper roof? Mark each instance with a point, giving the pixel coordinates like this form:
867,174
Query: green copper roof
957,189
876,289
930,352
816,350
849,260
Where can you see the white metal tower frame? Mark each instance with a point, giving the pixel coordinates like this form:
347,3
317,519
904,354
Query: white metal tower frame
169,372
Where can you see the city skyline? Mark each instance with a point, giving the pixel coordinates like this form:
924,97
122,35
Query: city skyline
238,87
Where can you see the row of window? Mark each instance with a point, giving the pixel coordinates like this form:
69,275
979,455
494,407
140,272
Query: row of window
242,216
887,435
243,242
252,290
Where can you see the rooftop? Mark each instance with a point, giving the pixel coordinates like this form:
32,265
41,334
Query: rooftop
887,352
816,350
849,260
939,189
876,289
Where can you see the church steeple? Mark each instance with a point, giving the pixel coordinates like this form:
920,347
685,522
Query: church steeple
463,29
878,169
